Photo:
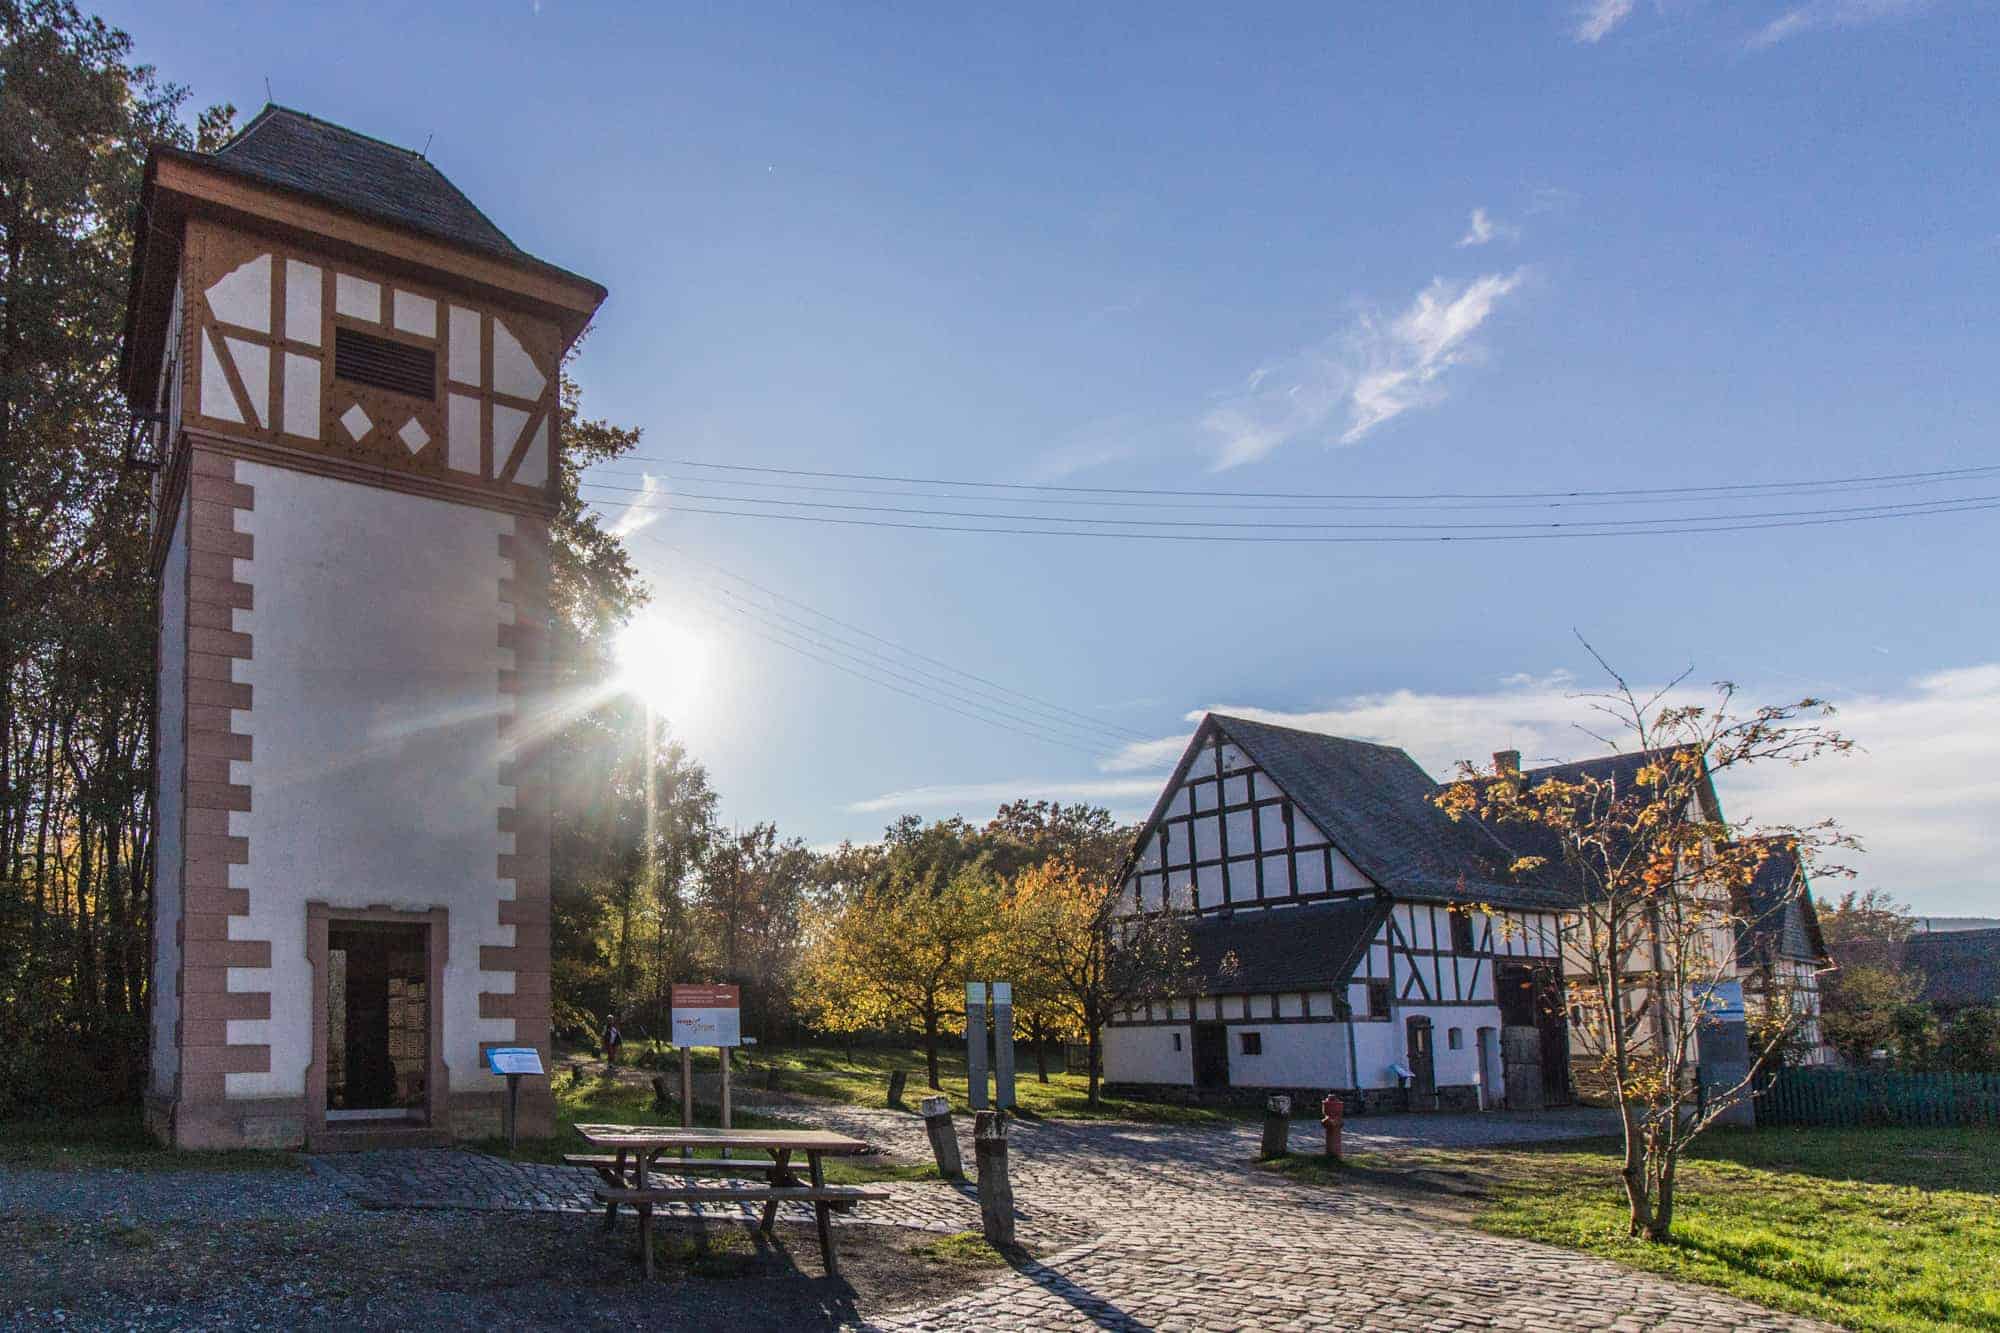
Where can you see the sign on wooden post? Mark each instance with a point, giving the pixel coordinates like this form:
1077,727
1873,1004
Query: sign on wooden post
706,1016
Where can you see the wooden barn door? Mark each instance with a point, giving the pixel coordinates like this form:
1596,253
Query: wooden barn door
1211,1055
1423,1064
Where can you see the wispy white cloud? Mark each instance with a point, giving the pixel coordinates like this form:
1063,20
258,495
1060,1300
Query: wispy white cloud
1818,14
1098,444
1485,228
991,795
1372,372
644,509
1596,18
1920,791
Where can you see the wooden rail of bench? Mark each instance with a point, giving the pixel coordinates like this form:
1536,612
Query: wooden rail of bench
821,1197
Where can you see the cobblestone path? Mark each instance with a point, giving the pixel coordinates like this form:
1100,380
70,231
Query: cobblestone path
1169,1228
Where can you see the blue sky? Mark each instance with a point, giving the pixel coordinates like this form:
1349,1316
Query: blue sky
1326,250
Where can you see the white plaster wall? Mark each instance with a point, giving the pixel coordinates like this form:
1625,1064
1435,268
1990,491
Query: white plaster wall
1295,1055
170,746
376,772
1147,1055
1377,1045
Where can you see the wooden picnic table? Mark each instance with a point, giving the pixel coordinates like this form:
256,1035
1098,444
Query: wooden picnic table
633,1153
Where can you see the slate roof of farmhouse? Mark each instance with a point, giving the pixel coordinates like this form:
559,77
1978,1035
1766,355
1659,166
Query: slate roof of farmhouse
302,153
1960,967
1312,946
1374,803
1782,918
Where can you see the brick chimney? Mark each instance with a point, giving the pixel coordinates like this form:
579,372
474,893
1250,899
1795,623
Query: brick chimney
1507,763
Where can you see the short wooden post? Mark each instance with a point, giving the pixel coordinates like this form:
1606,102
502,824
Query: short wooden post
1277,1125
662,1098
770,1078
944,1138
722,1052
687,1093
898,1080
996,1196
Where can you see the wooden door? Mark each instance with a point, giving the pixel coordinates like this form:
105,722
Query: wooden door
1211,1055
1423,1066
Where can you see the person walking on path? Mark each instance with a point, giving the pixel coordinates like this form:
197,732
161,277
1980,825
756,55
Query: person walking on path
614,1041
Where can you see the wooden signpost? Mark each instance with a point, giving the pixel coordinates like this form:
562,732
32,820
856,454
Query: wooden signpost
514,1062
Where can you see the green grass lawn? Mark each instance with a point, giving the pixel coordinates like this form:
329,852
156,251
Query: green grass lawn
117,1139
1873,1229
861,1078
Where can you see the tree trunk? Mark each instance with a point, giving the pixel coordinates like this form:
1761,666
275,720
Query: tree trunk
1095,1038
1042,1057
1661,1227
931,1046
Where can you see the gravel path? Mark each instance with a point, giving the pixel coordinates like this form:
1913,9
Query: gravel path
163,1197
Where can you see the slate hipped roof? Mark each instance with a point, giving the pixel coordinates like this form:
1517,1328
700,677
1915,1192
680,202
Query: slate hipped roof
332,164
1374,803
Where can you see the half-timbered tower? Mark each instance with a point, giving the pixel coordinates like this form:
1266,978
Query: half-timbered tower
347,378
1336,923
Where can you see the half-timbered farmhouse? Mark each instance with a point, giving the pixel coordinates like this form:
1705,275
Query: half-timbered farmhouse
1780,952
1349,936
1342,931
348,378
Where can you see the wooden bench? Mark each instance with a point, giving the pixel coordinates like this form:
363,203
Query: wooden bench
823,1198
609,1167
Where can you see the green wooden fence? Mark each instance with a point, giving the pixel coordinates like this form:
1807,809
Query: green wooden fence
1852,1098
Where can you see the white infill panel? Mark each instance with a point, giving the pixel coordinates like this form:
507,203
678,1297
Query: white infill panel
507,424
357,298
514,371
301,396
416,314
253,364
302,289
534,469
463,362
242,296
462,434
216,399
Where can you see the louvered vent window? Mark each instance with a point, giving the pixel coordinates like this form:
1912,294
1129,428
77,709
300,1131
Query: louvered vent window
362,358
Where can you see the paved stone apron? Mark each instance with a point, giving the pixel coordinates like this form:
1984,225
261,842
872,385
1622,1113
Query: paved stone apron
1167,1227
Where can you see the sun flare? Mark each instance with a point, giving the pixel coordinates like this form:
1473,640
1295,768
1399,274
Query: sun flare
662,663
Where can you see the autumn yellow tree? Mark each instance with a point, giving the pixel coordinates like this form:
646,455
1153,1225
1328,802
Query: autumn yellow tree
897,954
1660,879
1087,963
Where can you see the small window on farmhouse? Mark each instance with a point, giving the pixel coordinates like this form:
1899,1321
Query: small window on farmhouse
1378,999
1461,932
1253,1043
1454,1039
1177,1041
362,358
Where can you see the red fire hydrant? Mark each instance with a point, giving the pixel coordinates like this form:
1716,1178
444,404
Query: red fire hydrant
1330,1112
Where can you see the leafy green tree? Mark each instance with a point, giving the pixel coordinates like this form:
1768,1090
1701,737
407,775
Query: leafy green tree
1858,1008
1971,1045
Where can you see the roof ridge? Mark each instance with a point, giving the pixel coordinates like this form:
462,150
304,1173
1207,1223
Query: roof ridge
266,113
1304,731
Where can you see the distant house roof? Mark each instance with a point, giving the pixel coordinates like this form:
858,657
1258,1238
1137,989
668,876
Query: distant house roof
1375,804
294,151
1313,946
1960,968
1781,921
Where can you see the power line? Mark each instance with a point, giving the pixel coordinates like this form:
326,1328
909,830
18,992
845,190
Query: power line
1301,503
1051,715
1943,473
1564,534
920,698
1598,527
